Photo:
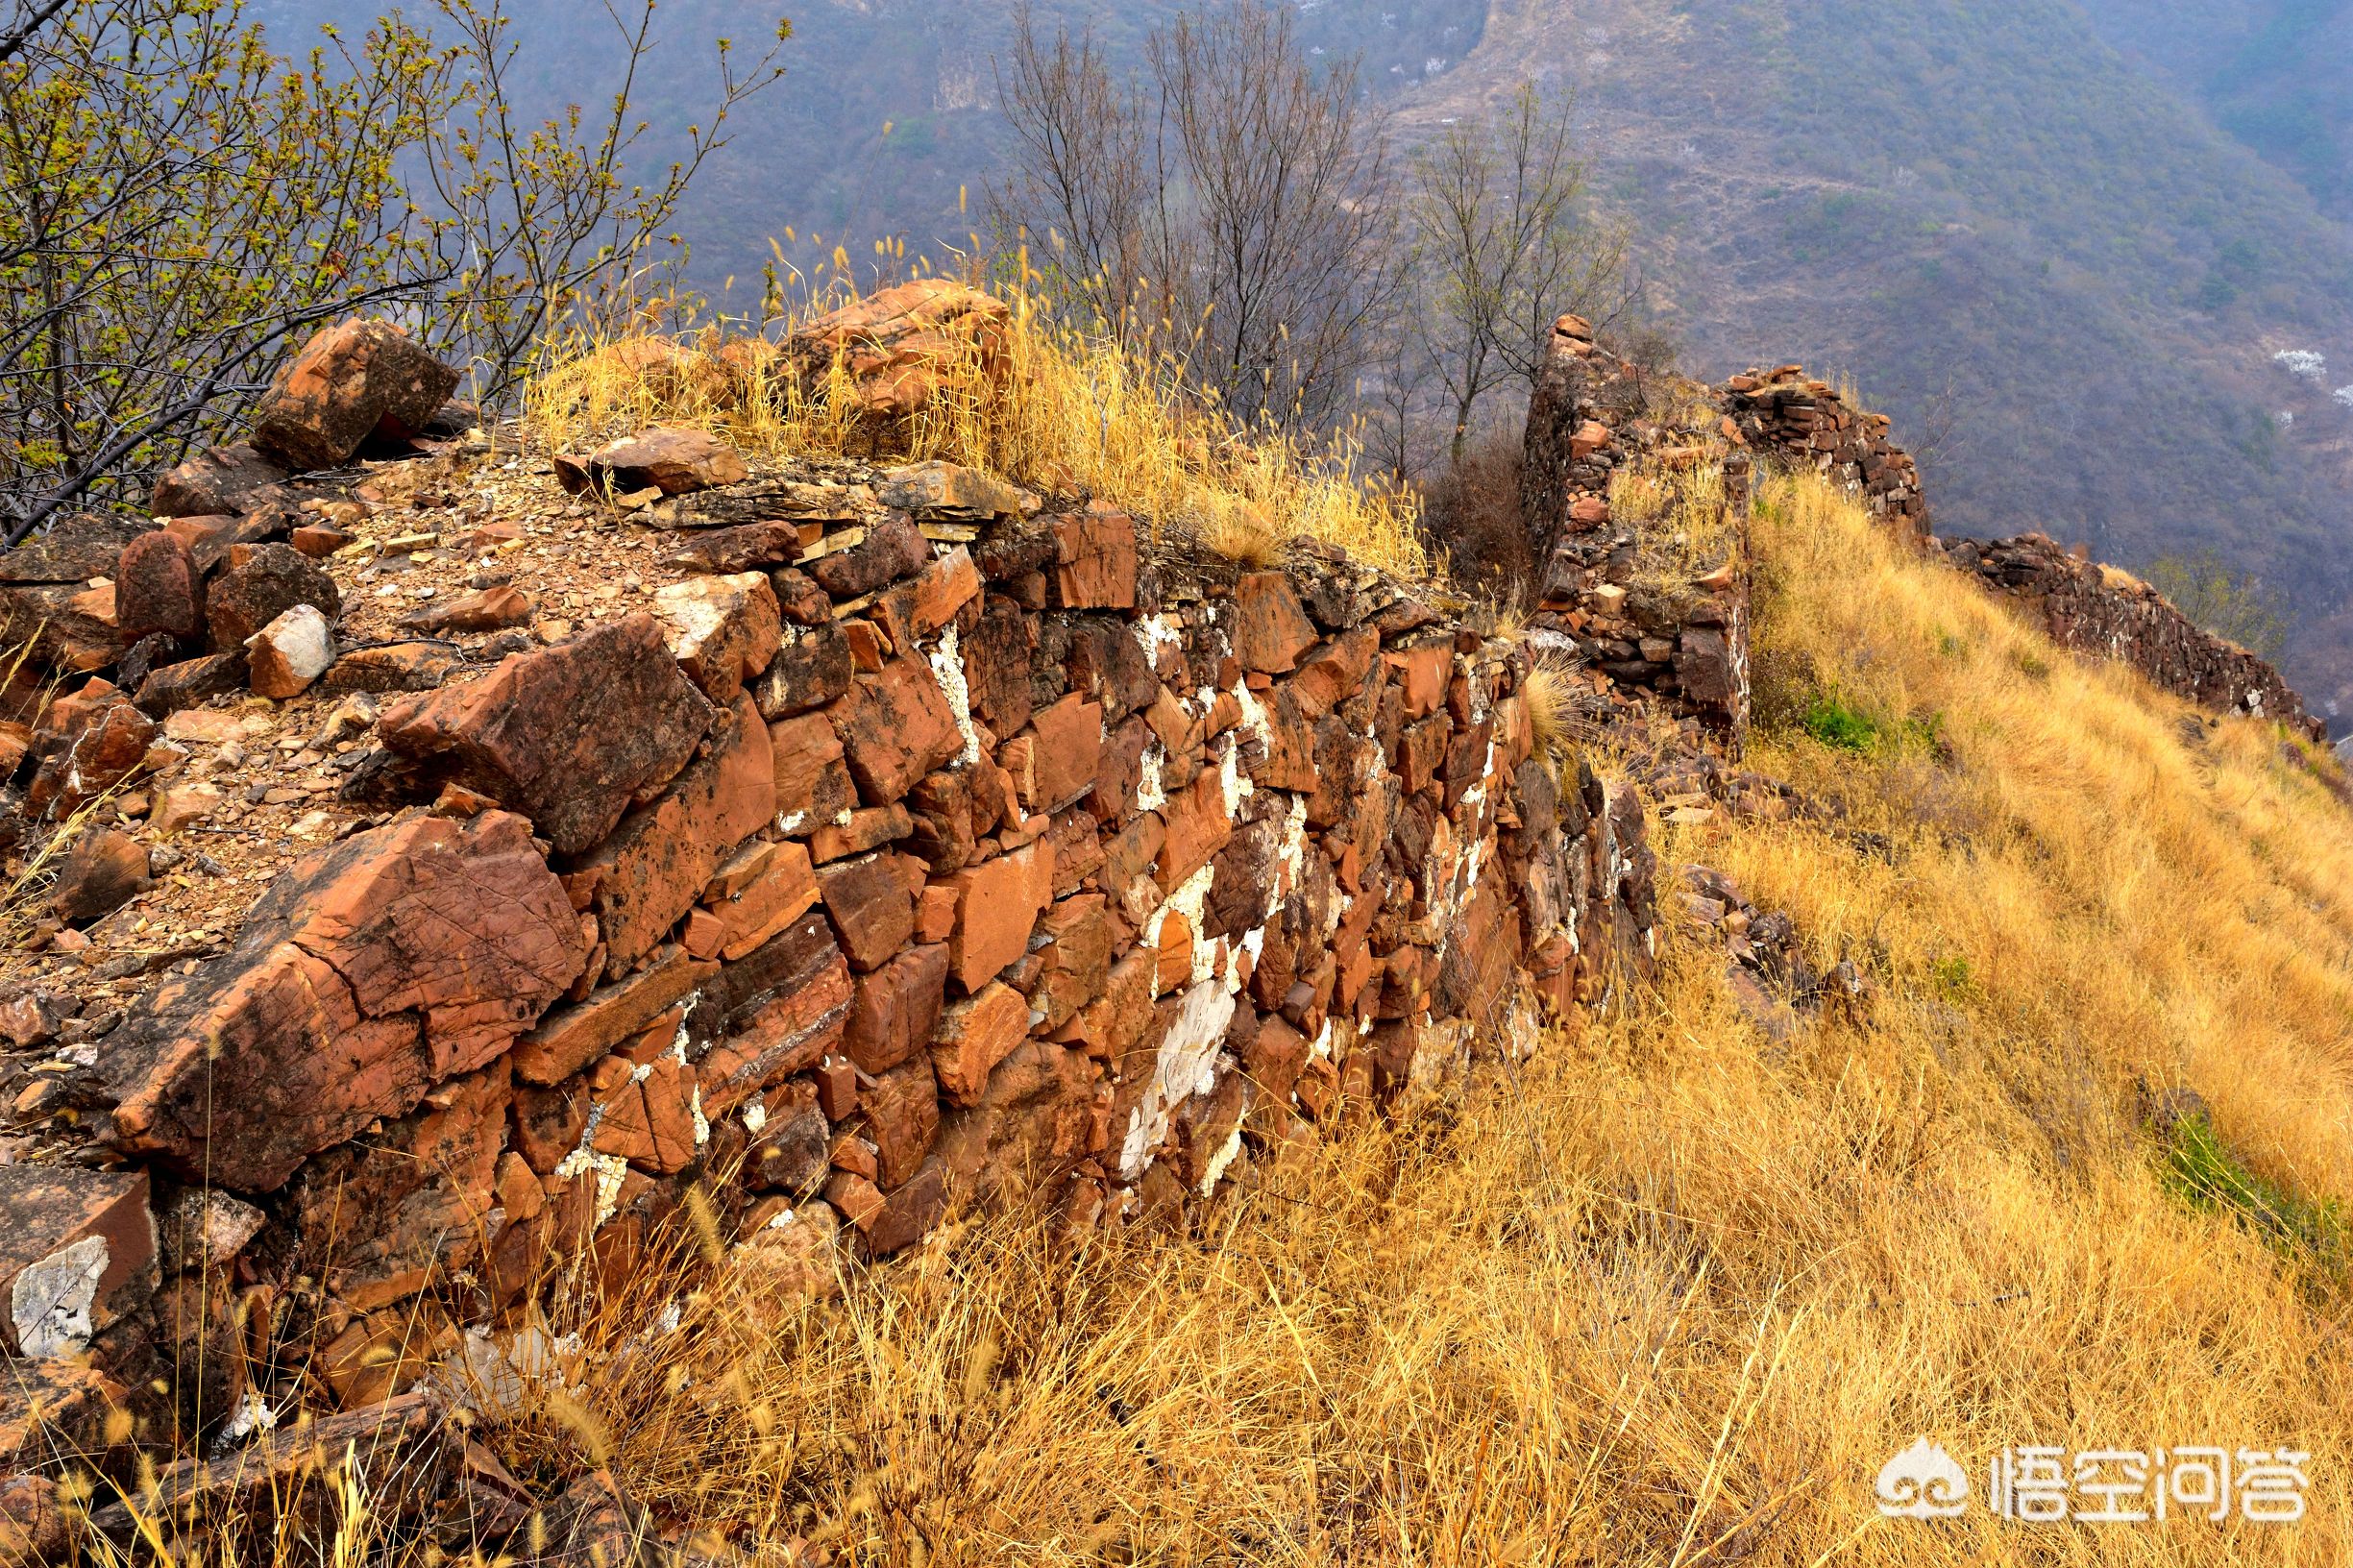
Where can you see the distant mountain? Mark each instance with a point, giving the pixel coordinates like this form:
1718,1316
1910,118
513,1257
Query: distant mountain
2079,231
2275,74
1987,213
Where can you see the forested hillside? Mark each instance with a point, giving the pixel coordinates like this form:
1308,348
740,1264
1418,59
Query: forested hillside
2276,74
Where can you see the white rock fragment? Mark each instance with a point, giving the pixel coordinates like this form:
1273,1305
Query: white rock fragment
50,1301
285,656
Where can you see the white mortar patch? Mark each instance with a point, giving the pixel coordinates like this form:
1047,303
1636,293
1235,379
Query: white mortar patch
1187,1066
948,669
1151,788
1224,1156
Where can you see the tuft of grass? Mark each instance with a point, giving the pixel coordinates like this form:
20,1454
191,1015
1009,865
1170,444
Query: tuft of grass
1235,530
1080,411
1561,712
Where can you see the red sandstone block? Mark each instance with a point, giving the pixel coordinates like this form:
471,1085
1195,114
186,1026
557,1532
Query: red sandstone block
780,886
1095,560
869,828
1270,631
1422,672
837,1089
1197,825
895,727
974,1036
649,1117
858,1199
910,1212
722,630
935,915
1112,1025
917,608
868,647
1069,743
812,781
793,1031
658,861
998,905
703,936
1174,947
868,903
897,1008
902,1118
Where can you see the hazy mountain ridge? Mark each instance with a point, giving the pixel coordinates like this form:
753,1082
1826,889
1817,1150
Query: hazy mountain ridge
2275,74
1991,213
1996,220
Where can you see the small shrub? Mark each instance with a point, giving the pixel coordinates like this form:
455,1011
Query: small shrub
1839,727
1471,515
2196,1166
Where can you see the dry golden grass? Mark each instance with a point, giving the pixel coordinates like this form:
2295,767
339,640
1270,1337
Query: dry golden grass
1079,413
1237,531
1560,709
1682,528
1674,1292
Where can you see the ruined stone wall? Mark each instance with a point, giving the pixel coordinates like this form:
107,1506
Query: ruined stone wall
2098,610
1682,649
460,871
1804,423
1678,644
2083,605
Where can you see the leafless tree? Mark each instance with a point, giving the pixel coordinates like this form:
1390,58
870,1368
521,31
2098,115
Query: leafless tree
1082,180
1233,198
1938,435
1503,250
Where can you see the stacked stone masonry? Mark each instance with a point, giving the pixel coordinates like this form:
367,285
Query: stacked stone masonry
1681,649
845,843
1807,423
1679,645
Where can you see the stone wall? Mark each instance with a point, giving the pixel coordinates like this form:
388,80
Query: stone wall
457,871
1804,423
2098,610
1677,643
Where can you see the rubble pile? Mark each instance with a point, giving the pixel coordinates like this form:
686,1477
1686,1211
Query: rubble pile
2100,610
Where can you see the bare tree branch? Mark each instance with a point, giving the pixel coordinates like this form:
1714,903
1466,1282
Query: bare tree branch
14,39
